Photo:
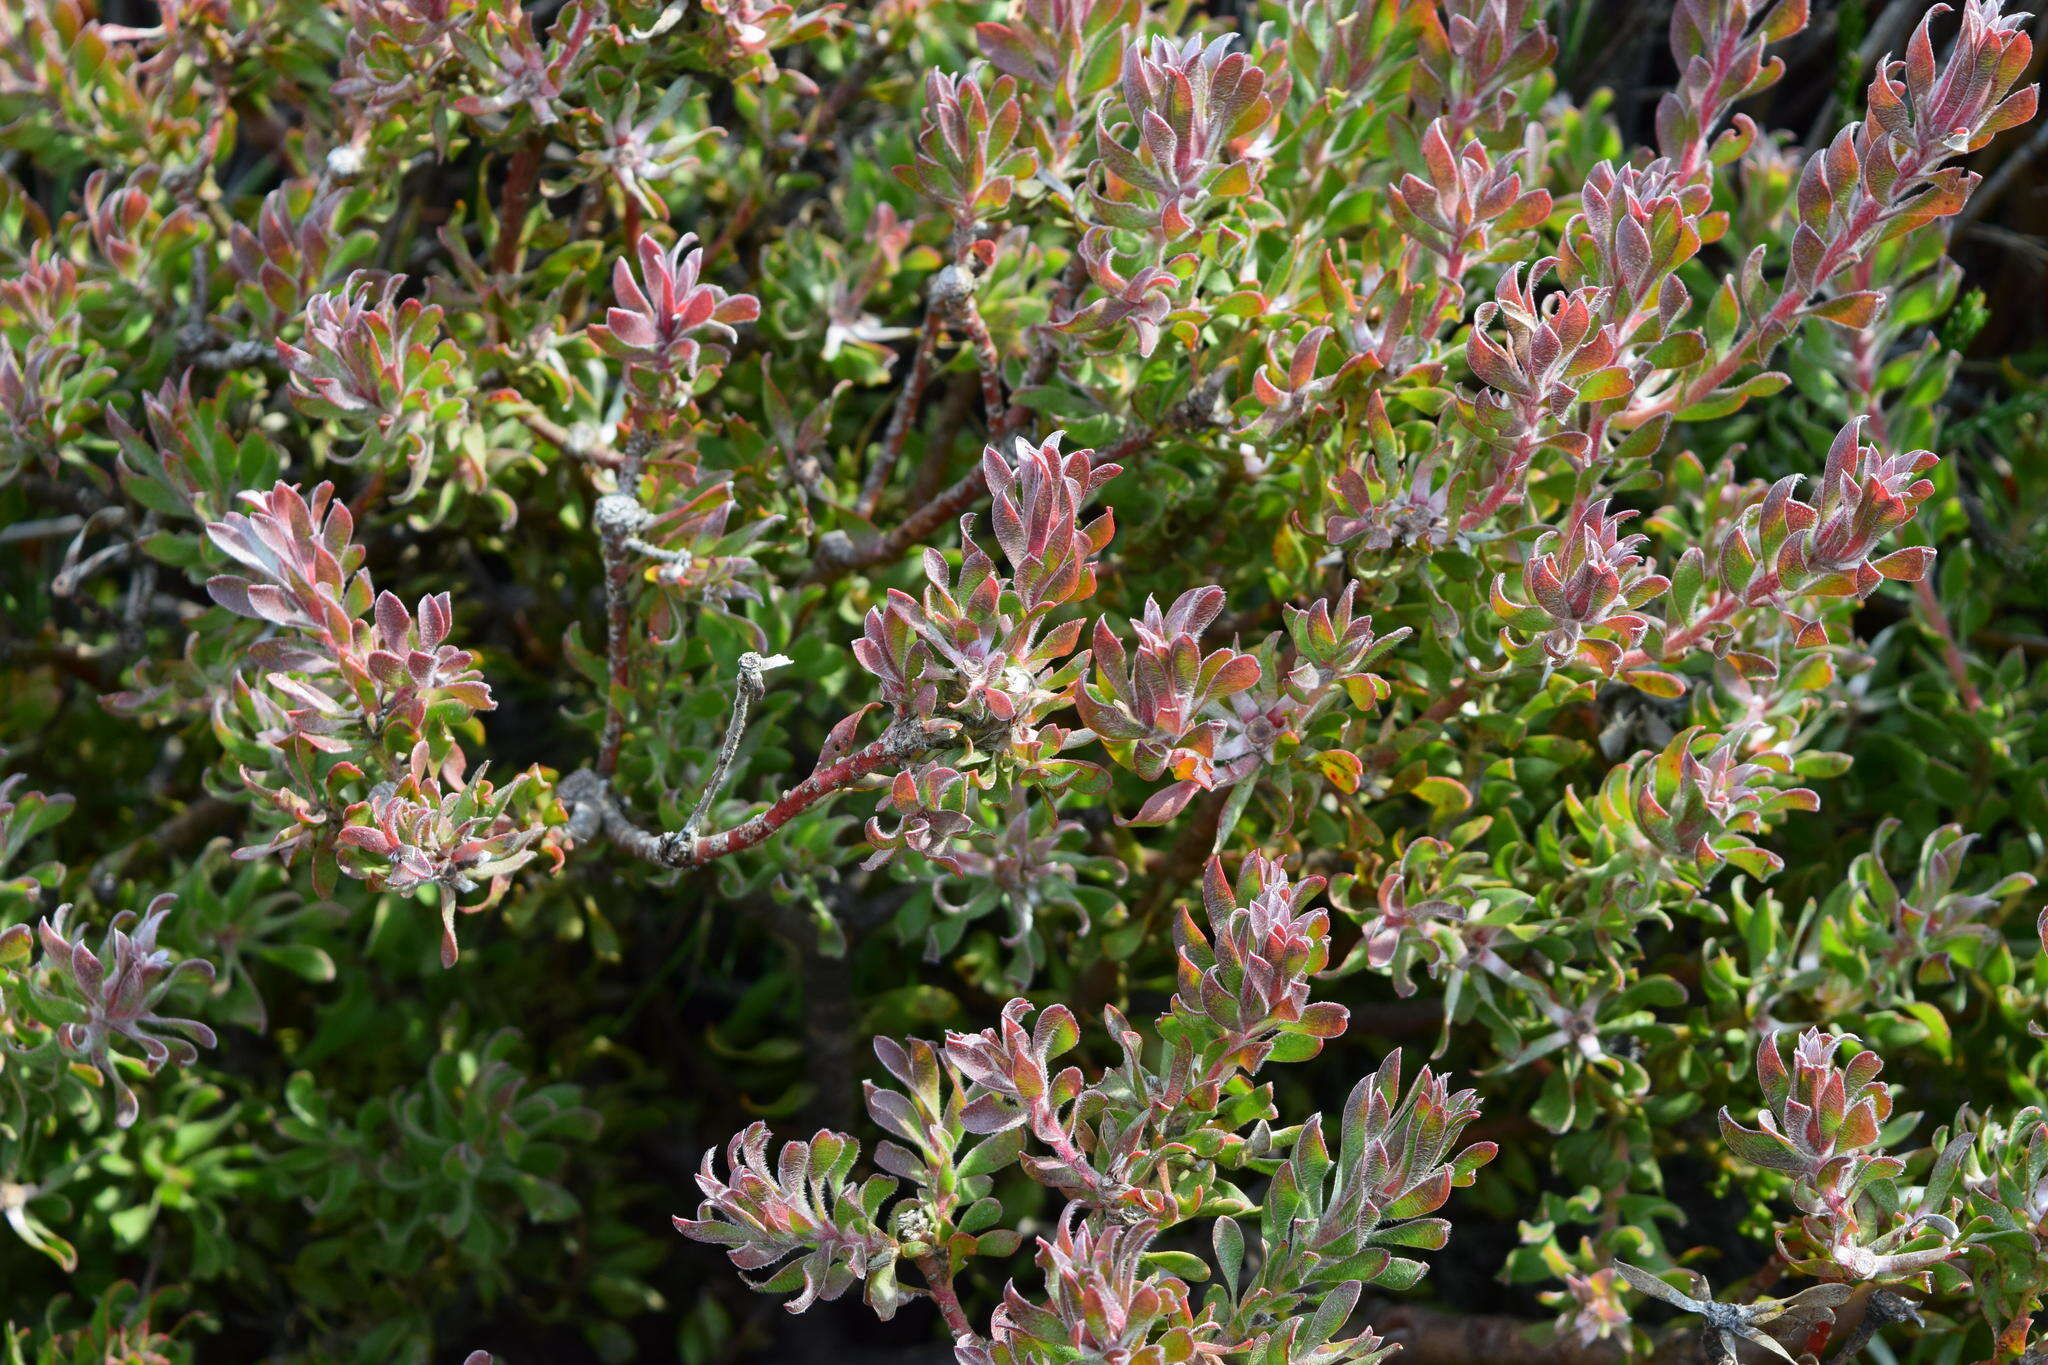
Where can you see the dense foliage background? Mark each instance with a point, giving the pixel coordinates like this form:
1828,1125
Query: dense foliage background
391,1150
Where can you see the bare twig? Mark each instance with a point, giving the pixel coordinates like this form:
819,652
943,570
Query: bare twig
898,431
952,302
1881,1310
750,690
619,519
79,566
43,528
840,554
905,739
216,355
576,444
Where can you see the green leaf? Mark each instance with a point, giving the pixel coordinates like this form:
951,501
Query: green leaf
1851,311
1554,1106
1602,385
1678,351
1656,682
1185,1265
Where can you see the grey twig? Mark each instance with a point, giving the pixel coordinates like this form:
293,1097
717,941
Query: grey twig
45,528
907,739
1883,1309
619,519
582,793
750,690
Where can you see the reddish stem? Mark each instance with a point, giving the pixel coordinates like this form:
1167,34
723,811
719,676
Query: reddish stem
562,439
987,358
898,431
902,740
520,179
629,222
1951,652
834,560
1867,217
1504,487
1677,644
1710,117
939,1281
843,555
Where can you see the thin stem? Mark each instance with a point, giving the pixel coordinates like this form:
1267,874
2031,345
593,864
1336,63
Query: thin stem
1710,114
1951,652
898,431
987,358
904,739
520,178
629,221
568,442
618,569
1507,486
750,690
939,1281
951,420
839,554
1676,645
843,555
619,519
1764,334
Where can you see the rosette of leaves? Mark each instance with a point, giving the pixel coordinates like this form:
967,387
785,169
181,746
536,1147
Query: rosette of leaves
803,1210
382,371
86,1003
1821,1126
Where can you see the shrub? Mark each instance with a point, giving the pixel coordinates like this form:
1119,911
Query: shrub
571,564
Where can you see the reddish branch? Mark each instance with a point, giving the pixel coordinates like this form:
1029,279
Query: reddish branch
904,740
952,301
520,178
939,1281
1764,334
987,359
898,431
567,441
1868,361
1678,643
1951,652
839,554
